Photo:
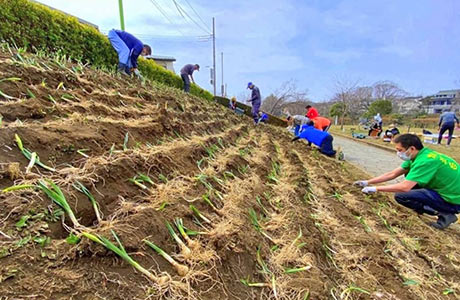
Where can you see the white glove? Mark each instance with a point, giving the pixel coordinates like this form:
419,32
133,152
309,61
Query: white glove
137,73
369,190
362,183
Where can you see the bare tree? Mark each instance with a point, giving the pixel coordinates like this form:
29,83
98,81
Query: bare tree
345,93
363,96
286,93
388,90
359,100
296,107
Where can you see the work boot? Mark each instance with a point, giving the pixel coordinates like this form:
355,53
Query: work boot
122,69
430,211
444,220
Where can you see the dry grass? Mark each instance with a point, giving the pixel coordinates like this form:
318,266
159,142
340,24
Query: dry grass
283,217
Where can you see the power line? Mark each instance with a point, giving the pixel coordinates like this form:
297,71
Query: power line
193,38
160,9
183,12
196,13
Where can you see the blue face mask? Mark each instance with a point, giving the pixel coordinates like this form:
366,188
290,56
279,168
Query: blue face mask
403,155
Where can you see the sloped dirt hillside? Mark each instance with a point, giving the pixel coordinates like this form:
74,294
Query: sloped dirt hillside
263,218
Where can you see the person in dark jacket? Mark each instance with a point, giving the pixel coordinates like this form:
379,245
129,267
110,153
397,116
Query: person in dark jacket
322,139
256,100
186,73
128,48
447,120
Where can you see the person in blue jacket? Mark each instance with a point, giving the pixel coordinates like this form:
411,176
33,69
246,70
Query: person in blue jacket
263,117
322,139
128,48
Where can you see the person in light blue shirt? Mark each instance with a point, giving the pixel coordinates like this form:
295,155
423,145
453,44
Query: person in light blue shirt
128,48
447,120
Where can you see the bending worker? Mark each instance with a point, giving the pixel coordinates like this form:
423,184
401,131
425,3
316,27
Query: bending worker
431,185
320,138
256,100
322,123
298,121
311,112
447,120
263,117
128,48
187,71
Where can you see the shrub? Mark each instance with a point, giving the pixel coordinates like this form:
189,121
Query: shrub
384,107
37,27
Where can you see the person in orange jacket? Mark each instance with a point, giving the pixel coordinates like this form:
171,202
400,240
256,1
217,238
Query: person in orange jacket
322,123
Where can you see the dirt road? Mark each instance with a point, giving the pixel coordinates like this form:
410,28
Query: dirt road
373,160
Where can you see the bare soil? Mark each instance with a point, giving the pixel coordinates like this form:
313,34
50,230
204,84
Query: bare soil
352,246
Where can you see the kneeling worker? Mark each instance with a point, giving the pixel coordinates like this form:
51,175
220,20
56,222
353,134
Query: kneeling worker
322,139
432,183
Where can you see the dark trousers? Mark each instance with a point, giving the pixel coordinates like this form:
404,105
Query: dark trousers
326,146
255,111
444,128
186,81
426,201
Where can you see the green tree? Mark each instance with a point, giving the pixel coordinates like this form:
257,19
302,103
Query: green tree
384,107
337,109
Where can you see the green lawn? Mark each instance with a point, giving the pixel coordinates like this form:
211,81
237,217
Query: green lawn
453,151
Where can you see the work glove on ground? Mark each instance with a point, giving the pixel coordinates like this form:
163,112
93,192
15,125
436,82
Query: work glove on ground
369,190
362,183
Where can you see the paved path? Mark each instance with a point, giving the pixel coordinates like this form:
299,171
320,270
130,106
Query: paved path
373,160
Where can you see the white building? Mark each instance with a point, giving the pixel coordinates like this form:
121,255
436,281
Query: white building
166,62
444,101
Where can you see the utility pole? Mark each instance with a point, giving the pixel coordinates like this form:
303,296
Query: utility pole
122,17
214,54
222,86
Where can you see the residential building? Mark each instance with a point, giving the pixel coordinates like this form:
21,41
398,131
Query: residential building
166,62
444,101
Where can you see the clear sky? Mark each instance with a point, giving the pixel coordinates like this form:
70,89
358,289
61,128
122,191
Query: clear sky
415,43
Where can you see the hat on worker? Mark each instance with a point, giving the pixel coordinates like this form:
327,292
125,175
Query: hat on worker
249,84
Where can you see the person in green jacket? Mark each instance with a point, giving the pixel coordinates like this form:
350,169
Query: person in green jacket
432,183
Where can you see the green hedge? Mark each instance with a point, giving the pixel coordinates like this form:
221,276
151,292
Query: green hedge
36,26
151,70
